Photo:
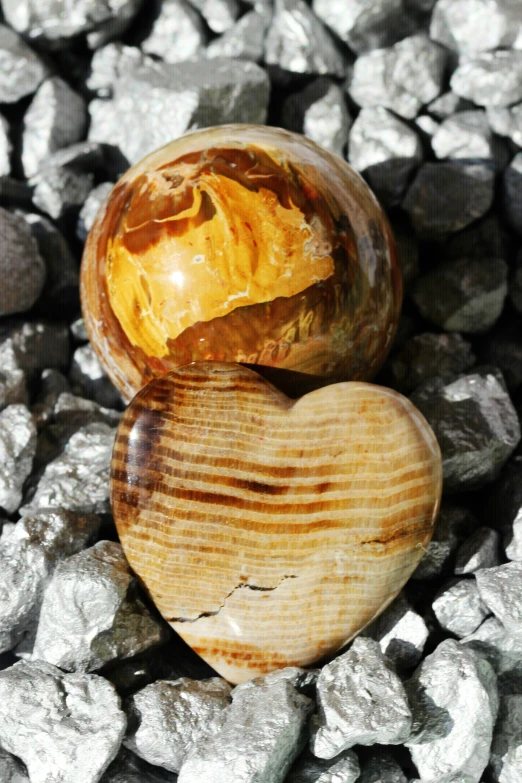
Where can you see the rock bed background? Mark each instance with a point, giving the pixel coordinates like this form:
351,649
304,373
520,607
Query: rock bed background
425,99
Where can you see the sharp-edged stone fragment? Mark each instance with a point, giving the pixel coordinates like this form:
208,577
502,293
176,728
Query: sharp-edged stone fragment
501,590
52,24
263,731
453,525
89,380
296,41
5,147
360,701
463,294
506,121
344,768
465,135
60,292
480,550
471,26
21,70
401,633
178,33
402,78
22,269
454,701
447,104
28,556
512,193
427,125
38,345
319,111
244,41
13,385
381,768
475,423
79,478
60,191
17,450
185,95
490,79
428,355
167,719
446,197
128,768
11,770
386,151
506,505
501,649
111,63
56,117
506,749
220,15
366,24
92,612
62,726
459,608
91,208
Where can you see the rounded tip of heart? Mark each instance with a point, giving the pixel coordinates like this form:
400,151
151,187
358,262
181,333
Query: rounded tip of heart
244,511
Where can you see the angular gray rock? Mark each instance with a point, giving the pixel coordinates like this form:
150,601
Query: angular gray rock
88,378
506,749
480,550
39,345
49,23
447,104
167,719
17,450
382,768
60,191
62,726
401,633
21,70
220,15
386,151
344,768
78,479
128,768
428,355
459,608
91,208
21,267
490,78
465,135
111,63
13,385
186,95
454,700
506,121
297,42
512,193
28,557
472,455
177,34
244,41
5,147
446,197
56,117
501,590
402,78
92,612
471,26
502,650
463,295
360,701
506,506
319,111
262,733
366,24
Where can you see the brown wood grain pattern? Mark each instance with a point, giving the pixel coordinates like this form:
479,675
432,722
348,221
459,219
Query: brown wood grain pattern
270,531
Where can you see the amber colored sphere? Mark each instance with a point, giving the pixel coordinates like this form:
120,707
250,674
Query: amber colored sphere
241,243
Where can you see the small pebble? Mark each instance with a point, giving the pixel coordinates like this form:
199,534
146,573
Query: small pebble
465,135
244,41
401,633
490,78
501,590
22,269
13,382
459,608
177,34
111,63
220,15
472,26
60,192
319,111
39,345
506,121
448,104
344,768
21,70
88,379
501,649
17,450
90,208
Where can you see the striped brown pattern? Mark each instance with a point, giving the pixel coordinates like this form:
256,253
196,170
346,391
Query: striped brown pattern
269,531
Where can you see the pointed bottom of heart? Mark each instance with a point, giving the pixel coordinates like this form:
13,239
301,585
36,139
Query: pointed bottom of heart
269,531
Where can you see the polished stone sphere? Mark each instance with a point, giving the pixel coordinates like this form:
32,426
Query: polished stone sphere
243,244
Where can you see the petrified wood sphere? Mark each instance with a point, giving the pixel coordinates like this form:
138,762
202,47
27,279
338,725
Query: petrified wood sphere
240,243
268,531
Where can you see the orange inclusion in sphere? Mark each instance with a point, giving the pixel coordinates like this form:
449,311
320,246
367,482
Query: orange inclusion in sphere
240,243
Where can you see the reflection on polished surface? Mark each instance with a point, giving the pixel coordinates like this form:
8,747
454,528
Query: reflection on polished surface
240,243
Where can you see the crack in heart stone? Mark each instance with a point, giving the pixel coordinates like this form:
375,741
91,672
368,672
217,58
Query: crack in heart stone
222,486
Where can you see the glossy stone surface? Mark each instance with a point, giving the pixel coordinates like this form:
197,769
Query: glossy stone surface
268,531
240,243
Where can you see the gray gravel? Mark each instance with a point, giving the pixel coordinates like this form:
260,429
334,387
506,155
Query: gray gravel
17,450
21,69
459,608
244,41
480,550
178,33
490,79
401,633
21,267
472,26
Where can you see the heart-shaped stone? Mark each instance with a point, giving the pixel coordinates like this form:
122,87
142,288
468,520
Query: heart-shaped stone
268,531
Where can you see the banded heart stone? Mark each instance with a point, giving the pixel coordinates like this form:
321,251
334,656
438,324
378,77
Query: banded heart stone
269,531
